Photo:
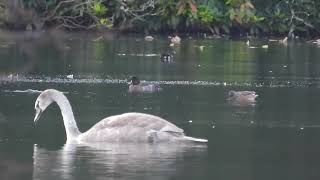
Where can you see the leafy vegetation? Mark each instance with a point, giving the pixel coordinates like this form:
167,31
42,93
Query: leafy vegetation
235,17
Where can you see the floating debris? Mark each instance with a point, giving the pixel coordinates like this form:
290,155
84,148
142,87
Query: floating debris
70,76
200,47
284,41
148,38
100,38
265,46
317,41
140,55
251,47
175,40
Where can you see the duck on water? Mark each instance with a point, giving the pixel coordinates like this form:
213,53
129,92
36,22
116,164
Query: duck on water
137,87
242,98
127,127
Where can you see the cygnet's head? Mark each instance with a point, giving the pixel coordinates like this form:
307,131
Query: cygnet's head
42,102
135,80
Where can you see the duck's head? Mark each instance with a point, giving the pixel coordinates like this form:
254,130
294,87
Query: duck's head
135,80
42,102
231,94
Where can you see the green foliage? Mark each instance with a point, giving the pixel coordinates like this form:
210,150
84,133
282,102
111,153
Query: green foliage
99,9
186,5
278,20
168,14
290,16
106,22
228,16
242,12
205,14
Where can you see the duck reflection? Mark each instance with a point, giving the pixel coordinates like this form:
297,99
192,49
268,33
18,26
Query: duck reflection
3,118
114,161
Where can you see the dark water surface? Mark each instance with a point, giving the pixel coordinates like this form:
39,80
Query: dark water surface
275,139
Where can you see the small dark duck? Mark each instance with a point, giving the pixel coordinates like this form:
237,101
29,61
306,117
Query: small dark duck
137,87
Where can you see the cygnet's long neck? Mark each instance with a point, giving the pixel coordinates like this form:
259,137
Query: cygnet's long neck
70,124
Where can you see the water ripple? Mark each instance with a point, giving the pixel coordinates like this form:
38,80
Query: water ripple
266,82
31,91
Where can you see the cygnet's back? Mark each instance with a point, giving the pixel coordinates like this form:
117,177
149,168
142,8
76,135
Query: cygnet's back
133,127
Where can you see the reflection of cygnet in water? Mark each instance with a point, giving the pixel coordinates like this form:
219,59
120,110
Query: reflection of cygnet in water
242,98
137,87
115,161
127,127
3,118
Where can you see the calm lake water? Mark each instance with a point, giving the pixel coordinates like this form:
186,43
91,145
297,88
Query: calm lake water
277,138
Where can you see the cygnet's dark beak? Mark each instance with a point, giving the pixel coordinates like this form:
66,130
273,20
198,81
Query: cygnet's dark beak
37,116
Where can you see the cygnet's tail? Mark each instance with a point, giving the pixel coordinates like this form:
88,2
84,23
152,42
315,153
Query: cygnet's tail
195,139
